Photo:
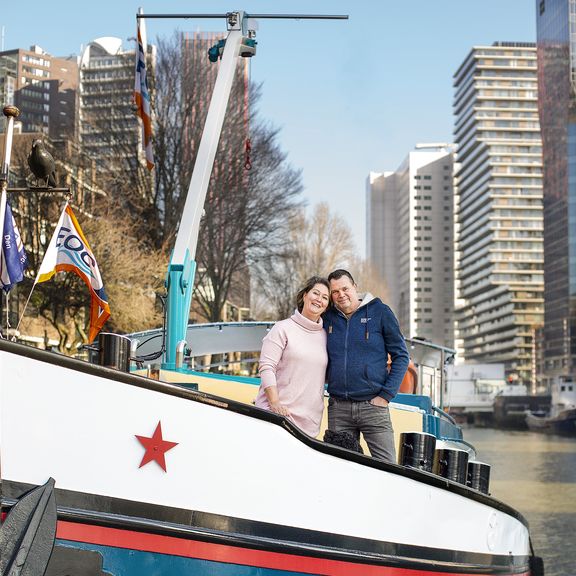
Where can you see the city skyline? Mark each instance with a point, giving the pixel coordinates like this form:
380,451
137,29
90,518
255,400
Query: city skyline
385,82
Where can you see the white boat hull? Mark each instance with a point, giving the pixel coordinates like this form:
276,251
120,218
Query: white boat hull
235,472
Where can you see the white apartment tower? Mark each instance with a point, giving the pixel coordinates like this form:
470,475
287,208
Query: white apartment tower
499,219
410,240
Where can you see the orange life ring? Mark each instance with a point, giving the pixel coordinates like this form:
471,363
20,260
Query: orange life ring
410,380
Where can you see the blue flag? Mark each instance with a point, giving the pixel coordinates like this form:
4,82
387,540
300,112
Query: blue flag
13,259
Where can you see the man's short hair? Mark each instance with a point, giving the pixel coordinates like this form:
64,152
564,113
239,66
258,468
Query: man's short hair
337,274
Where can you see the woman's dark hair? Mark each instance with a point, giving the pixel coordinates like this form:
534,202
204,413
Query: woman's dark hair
310,283
337,274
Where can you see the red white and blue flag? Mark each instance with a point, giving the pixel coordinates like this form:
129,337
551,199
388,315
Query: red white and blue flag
13,259
142,96
69,251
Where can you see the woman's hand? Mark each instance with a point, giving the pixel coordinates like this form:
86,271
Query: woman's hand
279,408
275,405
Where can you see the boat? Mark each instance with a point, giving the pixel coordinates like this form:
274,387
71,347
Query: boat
560,418
113,469
513,402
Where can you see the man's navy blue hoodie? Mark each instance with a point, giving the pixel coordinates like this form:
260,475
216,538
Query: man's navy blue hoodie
358,350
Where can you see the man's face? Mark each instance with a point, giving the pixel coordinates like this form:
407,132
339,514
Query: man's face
344,294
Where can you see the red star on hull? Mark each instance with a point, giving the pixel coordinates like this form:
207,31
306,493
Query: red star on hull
156,447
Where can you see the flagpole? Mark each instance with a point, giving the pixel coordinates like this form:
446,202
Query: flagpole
10,112
23,311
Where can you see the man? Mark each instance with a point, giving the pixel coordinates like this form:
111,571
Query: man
361,335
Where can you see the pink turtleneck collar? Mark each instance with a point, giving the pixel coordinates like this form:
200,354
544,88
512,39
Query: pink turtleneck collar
301,320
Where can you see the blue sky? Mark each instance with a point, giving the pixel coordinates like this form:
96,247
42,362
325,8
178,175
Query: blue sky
349,96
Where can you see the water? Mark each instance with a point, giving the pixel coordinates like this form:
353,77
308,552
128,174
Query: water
536,474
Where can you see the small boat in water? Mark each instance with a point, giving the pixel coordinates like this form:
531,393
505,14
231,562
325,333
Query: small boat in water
561,418
513,402
110,472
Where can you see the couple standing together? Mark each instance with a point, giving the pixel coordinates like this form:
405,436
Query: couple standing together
346,345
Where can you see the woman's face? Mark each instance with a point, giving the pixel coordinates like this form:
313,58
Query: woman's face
316,301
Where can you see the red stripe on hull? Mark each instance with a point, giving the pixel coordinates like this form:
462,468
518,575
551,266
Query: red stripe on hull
160,544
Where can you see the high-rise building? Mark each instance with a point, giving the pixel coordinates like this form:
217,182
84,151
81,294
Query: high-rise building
556,48
43,87
499,258
382,241
109,130
410,239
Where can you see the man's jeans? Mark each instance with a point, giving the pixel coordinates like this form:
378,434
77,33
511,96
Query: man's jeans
373,421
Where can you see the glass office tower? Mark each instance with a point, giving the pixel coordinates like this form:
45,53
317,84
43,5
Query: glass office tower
556,49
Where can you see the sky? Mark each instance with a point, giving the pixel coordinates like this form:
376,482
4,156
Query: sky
349,96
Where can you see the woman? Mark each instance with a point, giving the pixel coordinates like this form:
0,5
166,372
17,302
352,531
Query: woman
293,360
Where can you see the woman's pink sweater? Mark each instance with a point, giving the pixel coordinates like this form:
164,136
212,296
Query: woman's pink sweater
294,359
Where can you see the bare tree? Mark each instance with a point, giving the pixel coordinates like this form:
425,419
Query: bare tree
316,245
133,272
63,302
328,243
243,223
177,130
368,278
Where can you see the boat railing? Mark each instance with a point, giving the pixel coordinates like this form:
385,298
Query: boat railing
444,414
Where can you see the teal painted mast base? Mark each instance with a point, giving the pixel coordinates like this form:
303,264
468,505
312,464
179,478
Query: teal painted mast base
179,284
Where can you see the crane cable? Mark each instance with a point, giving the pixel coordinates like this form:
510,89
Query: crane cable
248,143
